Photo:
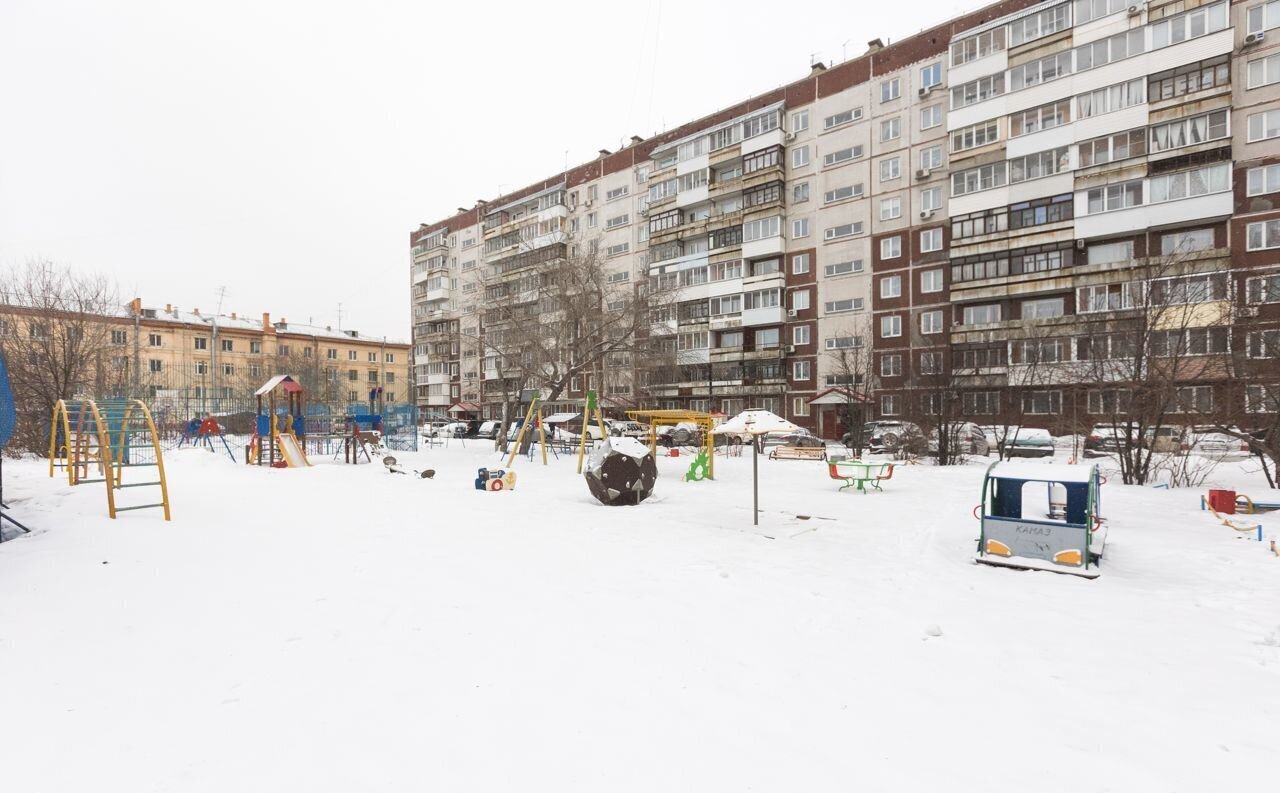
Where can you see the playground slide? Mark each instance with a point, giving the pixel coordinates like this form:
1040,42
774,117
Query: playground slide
291,451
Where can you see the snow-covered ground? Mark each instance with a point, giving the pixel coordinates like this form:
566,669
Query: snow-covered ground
343,629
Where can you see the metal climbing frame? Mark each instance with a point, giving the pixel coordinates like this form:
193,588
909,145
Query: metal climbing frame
108,437
704,421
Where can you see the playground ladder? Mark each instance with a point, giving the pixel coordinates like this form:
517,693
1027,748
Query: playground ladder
109,438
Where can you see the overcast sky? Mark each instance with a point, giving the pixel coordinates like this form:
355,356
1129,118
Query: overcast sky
284,150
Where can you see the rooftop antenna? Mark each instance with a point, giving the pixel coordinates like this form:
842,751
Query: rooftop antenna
339,317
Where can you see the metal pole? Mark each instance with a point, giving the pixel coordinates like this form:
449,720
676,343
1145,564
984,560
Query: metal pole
755,481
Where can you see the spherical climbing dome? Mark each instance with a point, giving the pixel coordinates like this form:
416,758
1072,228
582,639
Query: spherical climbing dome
621,472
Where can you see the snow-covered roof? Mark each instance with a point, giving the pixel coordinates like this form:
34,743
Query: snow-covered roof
253,324
275,381
757,422
1042,472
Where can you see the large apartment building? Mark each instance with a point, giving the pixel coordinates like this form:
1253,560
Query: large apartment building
188,362
965,207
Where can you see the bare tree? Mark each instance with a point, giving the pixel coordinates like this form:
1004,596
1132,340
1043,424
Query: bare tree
853,367
56,340
1161,338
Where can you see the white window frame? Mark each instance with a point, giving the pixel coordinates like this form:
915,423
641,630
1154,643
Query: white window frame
890,287
801,370
800,156
930,240
890,169
890,89
891,326
1263,179
799,228
891,208
891,247
1269,122
930,322
931,116
800,263
931,281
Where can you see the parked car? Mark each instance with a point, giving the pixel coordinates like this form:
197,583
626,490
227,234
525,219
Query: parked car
889,436
803,439
1165,439
572,430
452,429
621,428
1214,442
1107,439
1025,441
488,429
686,433
966,438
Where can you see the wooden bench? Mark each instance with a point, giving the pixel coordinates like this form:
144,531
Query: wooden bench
798,453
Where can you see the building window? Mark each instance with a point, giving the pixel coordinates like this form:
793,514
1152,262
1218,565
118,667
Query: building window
842,268
1193,24
1038,119
1041,70
1264,289
890,129
1263,235
1087,10
154,366
890,208
1262,398
202,343
762,228
980,403
889,405
1189,184
1193,241
1114,197
1263,16
800,300
842,193
931,199
118,337
800,262
800,121
931,363
842,155
890,326
799,228
930,116
978,179
890,365
1111,99
800,193
800,335
975,91
842,118
799,406
843,306
1042,403
931,75
1043,308
153,340
891,247
982,314
1193,399
1188,79
1037,166
931,158
1264,126
800,370
201,368
979,46
890,89
975,135
931,281
1039,25
1107,297
891,286
890,169
225,345
766,338
1263,180
930,240
843,230
800,157
931,322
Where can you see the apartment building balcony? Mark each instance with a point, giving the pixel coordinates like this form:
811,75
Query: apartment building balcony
726,321
718,221
439,378
774,137
692,196
725,155
436,401
1144,216
774,315
768,246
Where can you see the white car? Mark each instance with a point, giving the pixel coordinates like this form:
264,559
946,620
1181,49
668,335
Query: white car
1210,442
454,429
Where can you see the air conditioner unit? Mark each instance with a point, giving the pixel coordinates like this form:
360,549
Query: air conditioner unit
791,312
1248,311
644,212
1254,38
1134,11
791,350
923,173
925,214
1080,244
925,91
587,203
790,136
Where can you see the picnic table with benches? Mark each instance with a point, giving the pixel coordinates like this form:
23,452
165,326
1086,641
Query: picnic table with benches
856,473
